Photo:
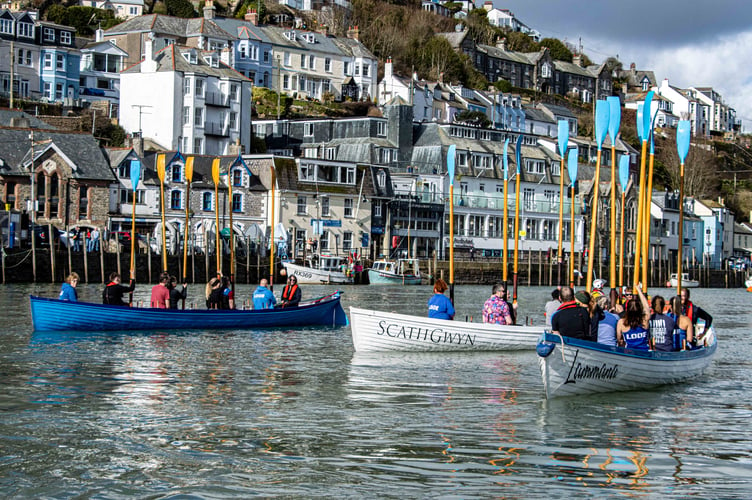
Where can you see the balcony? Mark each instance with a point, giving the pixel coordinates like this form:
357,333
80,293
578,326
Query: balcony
217,99
216,129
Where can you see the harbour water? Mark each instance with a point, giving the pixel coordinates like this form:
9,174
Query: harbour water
296,413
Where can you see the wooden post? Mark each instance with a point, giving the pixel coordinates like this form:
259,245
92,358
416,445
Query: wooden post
206,252
529,266
101,255
86,257
3,258
193,257
247,260
117,252
52,251
435,266
148,254
540,267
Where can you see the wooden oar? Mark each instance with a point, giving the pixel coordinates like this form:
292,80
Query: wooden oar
215,178
640,199
572,169
271,254
649,191
186,234
683,131
623,180
451,152
518,157
135,175
647,132
161,175
232,229
614,121
563,139
506,211
601,123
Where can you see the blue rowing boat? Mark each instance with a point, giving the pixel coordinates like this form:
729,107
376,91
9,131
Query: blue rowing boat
56,315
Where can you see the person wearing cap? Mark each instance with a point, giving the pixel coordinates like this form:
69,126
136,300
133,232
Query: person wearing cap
632,329
291,293
439,306
597,291
571,319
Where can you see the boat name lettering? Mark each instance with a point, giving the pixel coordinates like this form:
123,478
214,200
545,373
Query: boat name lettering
303,274
433,335
585,371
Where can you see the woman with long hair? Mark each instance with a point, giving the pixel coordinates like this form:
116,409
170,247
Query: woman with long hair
632,329
439,306
683,327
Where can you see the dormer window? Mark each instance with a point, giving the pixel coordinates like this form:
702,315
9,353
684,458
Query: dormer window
309,38
212,60
6,26
190,56
49,35
66,37
290,35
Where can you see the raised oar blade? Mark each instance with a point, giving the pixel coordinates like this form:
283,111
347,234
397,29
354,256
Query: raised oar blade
563,137
451,153
161,167
614,117
601,121
135,173
189,169
518,152
647,115
215,171
572,166
683,131
506,159
623,172
640,122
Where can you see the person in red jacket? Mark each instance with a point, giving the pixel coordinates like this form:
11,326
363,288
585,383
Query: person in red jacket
291,293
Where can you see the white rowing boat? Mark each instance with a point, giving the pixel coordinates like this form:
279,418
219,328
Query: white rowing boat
382,331
685,281
325,269
572,366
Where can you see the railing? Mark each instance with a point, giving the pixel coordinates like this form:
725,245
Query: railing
212,128
217,99
493,202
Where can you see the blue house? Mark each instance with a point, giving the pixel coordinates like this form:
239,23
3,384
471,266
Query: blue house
60,61
252,52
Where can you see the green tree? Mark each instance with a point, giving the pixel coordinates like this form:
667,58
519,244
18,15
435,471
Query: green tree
159,8
473,118
520,42
558,50
503,86
180,8
478,27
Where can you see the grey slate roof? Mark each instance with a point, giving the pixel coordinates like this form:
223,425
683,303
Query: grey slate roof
202,169
537,115
243,30
168,25
171,59
88,159
13,115
323,44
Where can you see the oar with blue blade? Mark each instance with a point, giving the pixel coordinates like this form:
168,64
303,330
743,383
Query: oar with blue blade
641,132
614,121
623,180
602,112
649,192
563,143
683,132
135,175
518,157
572,169
451,152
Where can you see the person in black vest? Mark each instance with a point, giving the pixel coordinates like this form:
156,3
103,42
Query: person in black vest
291,293
571,319
114,291
177,294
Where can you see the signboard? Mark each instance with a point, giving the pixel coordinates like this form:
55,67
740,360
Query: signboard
377,230
327,222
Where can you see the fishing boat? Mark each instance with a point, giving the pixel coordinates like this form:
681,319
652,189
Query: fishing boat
383,331
572,366
394,272
324,269
685,281
56,315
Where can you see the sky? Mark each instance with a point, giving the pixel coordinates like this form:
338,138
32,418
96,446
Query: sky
692,45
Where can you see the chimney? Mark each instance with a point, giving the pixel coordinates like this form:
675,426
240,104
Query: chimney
353,33
577,60
324,30
225,55
137,143
501,44
388,69
148,65
99,35
252,17
488,6
209,9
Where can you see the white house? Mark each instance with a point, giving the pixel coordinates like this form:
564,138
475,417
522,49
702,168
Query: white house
202,106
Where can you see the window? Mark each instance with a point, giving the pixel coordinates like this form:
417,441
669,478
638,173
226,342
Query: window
381,179
534,166
237,202
187,86
199,87
303,61
126,196
328,64
60,61
206,201
324,240
308,129
381,129
528,196
6,26
346,66
234,92
377,210
175,198
198,145
348,207
366,69
302,205
286,82
357,70
26,30
198,117
48,90
233,120
311,62
330,153
286,59
58,91
325,206
48,61
65,37
177,171
49,35
347,241
186,115
237,177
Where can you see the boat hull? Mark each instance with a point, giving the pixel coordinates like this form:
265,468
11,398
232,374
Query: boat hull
384,278
374,331
57,315
311,276
581,367
685,283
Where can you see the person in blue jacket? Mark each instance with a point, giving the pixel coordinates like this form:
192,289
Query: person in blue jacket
263,298
439,306
68,290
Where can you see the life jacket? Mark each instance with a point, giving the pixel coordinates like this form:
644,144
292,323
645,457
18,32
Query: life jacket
689,311
289,292
568,305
